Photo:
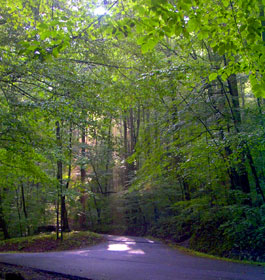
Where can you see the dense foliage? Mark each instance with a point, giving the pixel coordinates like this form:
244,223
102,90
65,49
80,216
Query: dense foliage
137,117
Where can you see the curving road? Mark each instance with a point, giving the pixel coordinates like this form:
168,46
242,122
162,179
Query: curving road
134,258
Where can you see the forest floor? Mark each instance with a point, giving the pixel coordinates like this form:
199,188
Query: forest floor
48,242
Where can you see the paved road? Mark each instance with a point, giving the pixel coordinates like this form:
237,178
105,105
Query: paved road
134,258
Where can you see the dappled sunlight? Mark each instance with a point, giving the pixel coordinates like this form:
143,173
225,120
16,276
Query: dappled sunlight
130,242
80,252
137,252
125,247
100,11
124,239
118,247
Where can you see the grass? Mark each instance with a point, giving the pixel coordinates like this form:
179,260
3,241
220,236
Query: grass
204,255
48,242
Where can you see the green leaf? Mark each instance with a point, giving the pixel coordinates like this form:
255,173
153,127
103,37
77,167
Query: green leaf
44,35
226,3
145,48
203,35
213,76
193,25
224,76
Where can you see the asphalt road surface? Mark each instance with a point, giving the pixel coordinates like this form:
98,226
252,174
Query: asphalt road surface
134,258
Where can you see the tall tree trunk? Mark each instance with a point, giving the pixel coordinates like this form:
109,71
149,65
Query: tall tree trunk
242,175
134,127
3,224
59,174
57,214
18,212
125,155
255,175
233,89
148,131
138,124
132,132
186,190
64,210
64,217
82,217
98,210
109,156
24,207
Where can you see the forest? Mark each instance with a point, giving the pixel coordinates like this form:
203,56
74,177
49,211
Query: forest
136,117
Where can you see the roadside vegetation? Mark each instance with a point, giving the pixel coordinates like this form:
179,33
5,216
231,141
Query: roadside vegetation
48,242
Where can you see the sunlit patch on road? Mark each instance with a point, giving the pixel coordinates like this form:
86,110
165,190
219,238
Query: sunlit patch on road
118,247
127,246
137,252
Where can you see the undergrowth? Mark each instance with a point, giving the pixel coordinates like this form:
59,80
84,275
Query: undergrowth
48,242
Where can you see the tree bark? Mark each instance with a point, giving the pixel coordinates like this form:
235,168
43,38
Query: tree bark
18,212
125,155
82,217
242,176
60,177
66,226
186,190
109,157
24,207
3,224
255,175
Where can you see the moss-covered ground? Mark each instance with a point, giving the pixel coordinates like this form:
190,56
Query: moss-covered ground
48,242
